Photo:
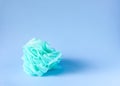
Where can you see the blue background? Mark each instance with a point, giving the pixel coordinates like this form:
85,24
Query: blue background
87,32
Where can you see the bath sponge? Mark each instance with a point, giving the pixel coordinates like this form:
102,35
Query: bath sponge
39,57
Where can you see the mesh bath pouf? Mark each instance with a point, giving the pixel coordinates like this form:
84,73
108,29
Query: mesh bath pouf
39,57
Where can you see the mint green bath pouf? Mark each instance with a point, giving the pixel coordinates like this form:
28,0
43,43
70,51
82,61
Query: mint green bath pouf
39,57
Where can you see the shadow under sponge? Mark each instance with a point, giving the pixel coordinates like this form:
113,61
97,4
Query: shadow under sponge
39,57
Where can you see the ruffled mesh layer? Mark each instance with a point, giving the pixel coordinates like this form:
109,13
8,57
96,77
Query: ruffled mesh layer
39,57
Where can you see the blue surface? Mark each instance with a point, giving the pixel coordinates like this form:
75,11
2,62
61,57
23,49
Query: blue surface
86,31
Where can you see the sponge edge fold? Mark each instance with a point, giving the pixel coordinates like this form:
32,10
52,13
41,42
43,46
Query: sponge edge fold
38,57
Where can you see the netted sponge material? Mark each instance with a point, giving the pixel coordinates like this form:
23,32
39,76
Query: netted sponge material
39,57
